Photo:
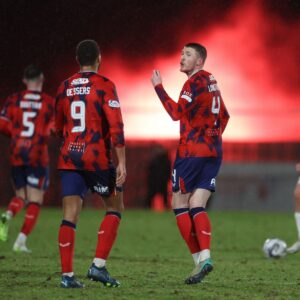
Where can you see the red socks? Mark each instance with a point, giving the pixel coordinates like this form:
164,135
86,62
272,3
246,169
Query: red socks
107,234
202,226
106,237
186,228
66,240
15,205
32,213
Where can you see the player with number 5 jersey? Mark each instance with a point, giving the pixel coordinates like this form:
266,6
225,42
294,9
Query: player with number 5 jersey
203,118
27,118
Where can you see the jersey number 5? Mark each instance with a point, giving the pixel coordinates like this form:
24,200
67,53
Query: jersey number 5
28,124
78,113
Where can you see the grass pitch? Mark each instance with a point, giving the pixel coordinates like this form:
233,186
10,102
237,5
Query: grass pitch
151,260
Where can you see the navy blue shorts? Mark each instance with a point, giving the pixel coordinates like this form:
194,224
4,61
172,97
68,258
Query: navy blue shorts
78,182
191,173
36,177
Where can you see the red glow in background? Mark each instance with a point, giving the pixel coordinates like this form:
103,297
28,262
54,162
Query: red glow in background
253,51
255,58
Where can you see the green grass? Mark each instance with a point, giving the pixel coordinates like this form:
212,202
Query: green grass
151,260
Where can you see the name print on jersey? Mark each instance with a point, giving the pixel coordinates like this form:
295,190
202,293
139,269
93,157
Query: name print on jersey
84,90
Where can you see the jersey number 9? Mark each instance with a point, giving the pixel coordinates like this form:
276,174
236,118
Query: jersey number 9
78,113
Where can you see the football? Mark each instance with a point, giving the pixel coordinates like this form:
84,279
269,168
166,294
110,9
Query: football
274,248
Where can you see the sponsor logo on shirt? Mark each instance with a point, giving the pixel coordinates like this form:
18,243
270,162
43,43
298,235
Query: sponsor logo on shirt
114,103
83,90
32,96
187,96
79,81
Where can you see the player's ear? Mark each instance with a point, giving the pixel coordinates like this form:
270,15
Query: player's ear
199,62
99,59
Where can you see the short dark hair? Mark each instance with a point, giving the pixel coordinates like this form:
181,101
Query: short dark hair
201,50
32,72
87,52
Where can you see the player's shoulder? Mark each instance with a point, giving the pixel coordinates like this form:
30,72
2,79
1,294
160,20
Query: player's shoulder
207,75
15,97
104,81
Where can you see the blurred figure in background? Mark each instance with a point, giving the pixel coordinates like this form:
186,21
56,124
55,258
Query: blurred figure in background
296,246
89,119
27,118
157,181
203,118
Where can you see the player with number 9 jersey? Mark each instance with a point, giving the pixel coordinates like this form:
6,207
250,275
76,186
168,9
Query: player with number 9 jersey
89,118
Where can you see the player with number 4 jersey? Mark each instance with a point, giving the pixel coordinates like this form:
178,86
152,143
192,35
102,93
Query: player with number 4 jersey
27,118
203,118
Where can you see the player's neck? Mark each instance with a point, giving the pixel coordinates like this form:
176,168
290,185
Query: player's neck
89,68
192,72
34,87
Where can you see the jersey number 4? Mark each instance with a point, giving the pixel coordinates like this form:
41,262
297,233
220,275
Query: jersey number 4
28,123
215,108
78,113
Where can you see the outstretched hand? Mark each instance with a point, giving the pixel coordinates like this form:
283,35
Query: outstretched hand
156,78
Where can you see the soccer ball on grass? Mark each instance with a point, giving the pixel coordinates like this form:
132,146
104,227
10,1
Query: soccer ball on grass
274,248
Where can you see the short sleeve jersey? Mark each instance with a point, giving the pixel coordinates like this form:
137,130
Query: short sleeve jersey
89,119
202,114
29,115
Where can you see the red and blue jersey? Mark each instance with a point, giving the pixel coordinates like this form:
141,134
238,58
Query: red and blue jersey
88,117
202,114
28,117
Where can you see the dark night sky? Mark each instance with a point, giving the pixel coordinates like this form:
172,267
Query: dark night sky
46,32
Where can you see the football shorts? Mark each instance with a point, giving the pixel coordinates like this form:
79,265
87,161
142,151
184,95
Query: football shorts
78,182
191,173
36,177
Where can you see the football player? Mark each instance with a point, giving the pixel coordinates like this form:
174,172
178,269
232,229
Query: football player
203,118
27,117
89,120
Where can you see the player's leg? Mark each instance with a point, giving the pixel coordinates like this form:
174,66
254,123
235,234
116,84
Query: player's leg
180,205
35,200
296,246
37,181
204,184
73,191
16,203
107,234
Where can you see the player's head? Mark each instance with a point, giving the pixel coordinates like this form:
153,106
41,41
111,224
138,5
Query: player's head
88,53
193,57
33,76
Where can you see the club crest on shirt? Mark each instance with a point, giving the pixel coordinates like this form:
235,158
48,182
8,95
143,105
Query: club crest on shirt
114,103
